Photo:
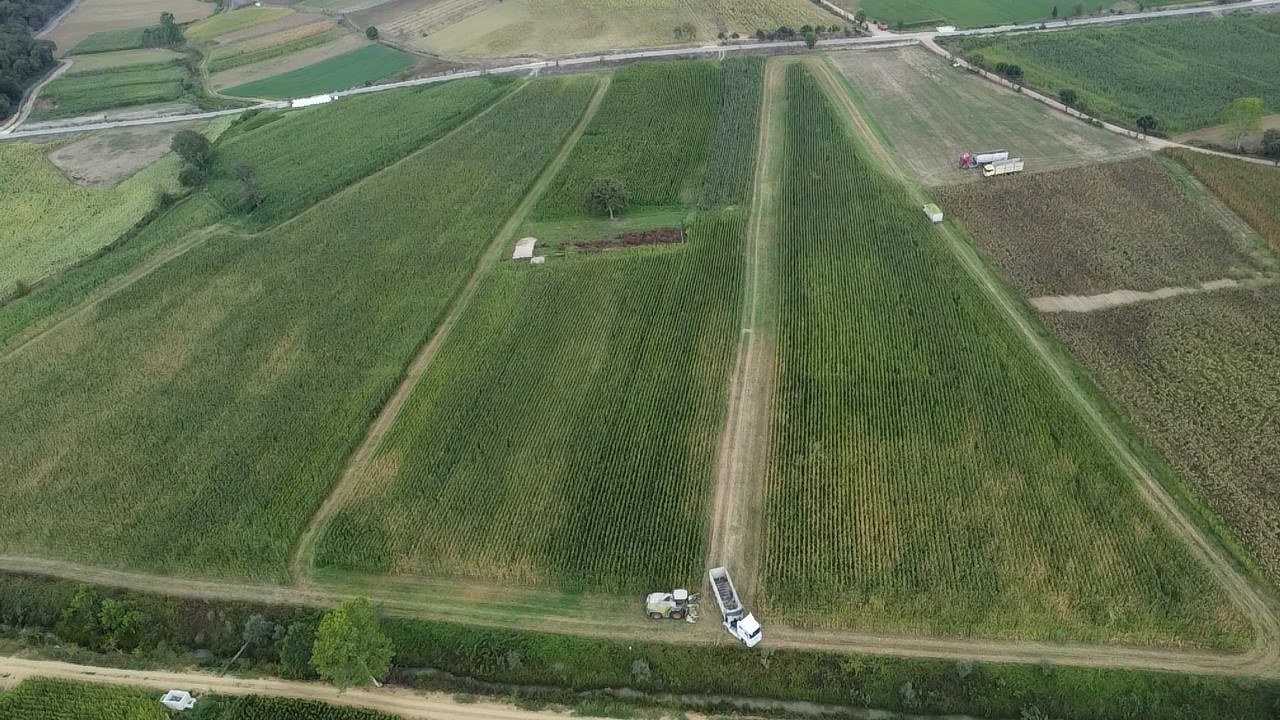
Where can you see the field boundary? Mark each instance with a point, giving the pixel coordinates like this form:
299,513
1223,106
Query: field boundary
737,501
1258,609
301,561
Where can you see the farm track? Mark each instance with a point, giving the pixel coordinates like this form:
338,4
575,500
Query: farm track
350,481
116,286
734,540
1264,657
1120,298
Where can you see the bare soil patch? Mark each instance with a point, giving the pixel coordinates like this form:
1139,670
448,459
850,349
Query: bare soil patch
658,236
103,160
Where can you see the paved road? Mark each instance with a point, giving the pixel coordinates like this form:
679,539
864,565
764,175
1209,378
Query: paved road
587,61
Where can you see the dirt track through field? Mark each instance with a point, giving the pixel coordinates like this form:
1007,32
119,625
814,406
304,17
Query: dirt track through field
354,473
1120,298
1258,608
736,511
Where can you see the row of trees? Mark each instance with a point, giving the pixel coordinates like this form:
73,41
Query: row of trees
23,58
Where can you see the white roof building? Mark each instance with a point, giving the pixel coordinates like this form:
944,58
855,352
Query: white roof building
524,249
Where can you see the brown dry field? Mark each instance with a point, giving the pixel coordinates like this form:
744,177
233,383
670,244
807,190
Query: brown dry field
105,159
282,34
1199,375
255,31
276,66
1130,225
95,15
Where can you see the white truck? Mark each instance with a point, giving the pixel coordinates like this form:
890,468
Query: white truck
740,623
1002,167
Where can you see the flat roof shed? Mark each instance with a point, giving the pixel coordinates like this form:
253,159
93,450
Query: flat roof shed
524,248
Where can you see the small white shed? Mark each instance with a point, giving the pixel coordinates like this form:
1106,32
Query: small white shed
933,212
178,700
524,248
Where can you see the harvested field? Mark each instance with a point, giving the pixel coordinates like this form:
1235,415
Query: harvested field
931,113
234,21
96,15
264,69
1128,225
926,473
658,236
1200,377
1251,190
557,27
100,62
102,160
358,67
225,55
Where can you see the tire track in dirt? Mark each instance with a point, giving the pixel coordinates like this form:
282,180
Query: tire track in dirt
1120,298
1258,608
351,478
734,537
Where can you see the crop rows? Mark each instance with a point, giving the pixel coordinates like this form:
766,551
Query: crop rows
1182,72
197,419
731,158
358,137
652,131
46,699
925,473
341,72
80,94
565,434
1251,190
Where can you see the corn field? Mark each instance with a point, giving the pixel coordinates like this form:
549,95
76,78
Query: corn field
48,699
195,421
925,474
1251,190
566,433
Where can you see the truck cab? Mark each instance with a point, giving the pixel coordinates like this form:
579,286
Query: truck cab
746,629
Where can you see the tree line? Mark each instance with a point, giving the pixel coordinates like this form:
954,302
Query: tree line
23,58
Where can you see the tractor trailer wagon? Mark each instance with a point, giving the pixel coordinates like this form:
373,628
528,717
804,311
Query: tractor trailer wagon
1002,167
740,623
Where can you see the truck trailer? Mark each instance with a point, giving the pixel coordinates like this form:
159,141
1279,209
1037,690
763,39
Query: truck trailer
969,161
740,623
1002,167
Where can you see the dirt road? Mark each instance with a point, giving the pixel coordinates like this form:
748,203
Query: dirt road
398,701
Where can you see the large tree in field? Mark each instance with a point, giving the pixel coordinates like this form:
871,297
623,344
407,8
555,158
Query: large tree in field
351,648
1242,117
606,195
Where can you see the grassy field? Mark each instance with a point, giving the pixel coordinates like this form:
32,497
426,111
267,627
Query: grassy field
359,67
195,421
45,698
101,62
92,16
925,472
361,136
1128,225
931,113
977,13
272,45
652,132
77,93
545,27
229,22
1183,72
110,40
1252,191
1198,375
566,433
50,222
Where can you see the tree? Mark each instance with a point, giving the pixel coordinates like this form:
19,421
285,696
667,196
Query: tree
250,196
351,648
1055,12
78,622
193,147
371,32
686,31
1242,117
1068,97
1077,9
810,39
1147,124
295,651
121,622
1271,144
860,17
606,195
164,34
806,29
258,632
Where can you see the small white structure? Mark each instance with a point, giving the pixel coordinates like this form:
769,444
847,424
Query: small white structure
309,101
946,29
178,700
933,212
524,248
539,260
